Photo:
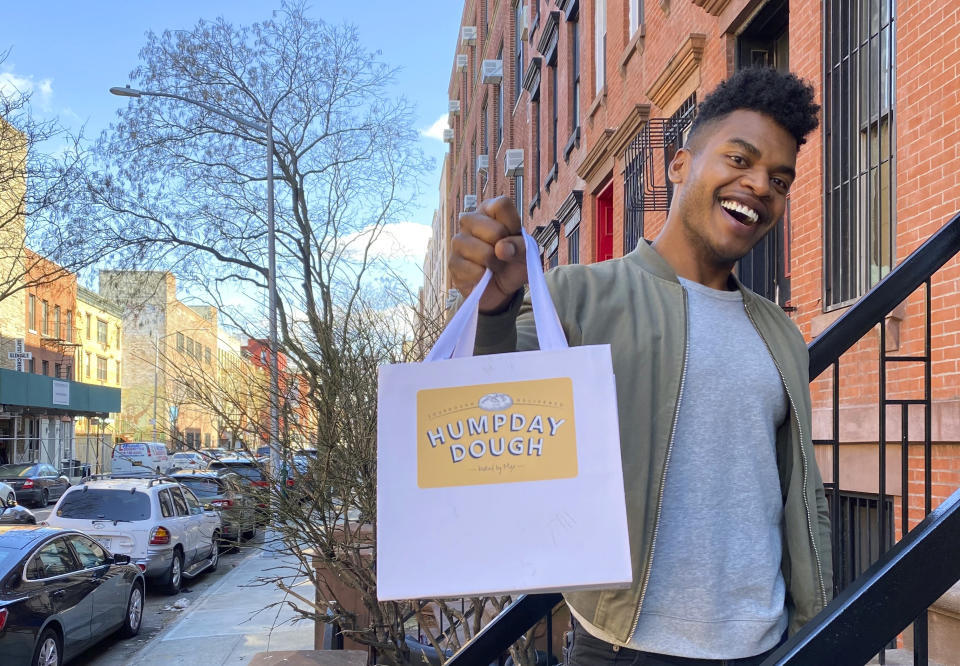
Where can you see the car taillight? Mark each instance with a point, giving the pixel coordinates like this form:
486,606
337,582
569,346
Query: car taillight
159,536
3,618
259,484
28,483
222,503
290,482
143,567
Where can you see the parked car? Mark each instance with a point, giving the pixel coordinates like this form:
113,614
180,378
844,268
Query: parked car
226,493
188,460
215,453
61,592
7,493
12,513
34,482
161,525
140,459
252,472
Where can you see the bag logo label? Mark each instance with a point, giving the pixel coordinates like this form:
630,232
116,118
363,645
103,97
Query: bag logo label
496,433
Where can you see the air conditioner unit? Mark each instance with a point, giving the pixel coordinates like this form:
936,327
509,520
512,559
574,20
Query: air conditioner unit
469,202
453,106
461,62
483,163
468,35
513,162
448,135
492,71
525,21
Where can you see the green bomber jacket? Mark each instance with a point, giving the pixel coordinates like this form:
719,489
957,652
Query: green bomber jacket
636,304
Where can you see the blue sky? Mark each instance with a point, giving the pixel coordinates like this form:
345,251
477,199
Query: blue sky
72,52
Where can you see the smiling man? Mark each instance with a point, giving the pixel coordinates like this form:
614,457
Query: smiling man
728,523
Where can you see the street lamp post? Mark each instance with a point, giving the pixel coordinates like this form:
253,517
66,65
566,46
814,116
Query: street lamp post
267,130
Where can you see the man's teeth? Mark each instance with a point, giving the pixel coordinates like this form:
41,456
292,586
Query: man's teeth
746,211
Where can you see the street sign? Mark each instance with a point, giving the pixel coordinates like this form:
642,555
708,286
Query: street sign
18,355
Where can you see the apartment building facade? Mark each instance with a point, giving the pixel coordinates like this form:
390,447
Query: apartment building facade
600,96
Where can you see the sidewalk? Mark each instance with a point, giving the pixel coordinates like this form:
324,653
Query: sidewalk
229,625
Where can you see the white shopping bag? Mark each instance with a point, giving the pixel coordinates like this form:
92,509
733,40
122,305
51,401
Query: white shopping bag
500,473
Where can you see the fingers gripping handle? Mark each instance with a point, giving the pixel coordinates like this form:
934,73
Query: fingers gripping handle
457,339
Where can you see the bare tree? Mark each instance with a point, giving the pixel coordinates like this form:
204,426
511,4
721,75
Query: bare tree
179,185
42,187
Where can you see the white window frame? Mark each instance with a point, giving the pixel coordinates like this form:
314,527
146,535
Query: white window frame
600,46
636,15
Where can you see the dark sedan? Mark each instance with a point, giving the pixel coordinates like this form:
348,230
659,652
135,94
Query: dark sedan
36,483
60,592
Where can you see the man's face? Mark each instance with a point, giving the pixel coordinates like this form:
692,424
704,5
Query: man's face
732,184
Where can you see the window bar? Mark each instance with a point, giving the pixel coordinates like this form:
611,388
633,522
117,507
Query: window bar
920,651
882,457
835,509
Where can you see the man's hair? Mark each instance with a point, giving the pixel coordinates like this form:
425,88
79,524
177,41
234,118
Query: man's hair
784,97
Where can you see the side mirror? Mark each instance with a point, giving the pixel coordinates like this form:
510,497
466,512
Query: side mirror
209,507
121,559
8,503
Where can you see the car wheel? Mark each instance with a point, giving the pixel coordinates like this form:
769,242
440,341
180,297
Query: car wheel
131,622
249,534
174,578
49,650
214,552
44,498
10,498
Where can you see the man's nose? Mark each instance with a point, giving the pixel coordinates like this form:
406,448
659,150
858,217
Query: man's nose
758,180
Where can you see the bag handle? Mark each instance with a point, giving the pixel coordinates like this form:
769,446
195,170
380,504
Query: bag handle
458,337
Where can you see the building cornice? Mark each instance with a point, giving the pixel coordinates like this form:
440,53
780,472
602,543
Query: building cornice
712,7
629,128
684,63
597,157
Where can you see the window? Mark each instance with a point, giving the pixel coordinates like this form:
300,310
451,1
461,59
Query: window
56,323
166,504
32,312
474,182
499,126
554,126
575,73
33,365
88,326
101,368
179,503
518,188
859,132
54,559
180,342
636,15
553,260
90,554
118,373
101,331
56,370
68,333
600,46
88,364
518,48
208,357
46,368
536,144
573,246
45,318
105,504
69,372
193,505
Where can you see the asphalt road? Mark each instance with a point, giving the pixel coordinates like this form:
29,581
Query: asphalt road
157,609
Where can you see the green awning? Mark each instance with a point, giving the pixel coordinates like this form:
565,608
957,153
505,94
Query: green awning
33,391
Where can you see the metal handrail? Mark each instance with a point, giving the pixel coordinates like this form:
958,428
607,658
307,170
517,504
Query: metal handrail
840,336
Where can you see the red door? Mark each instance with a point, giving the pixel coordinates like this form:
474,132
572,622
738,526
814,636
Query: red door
605,224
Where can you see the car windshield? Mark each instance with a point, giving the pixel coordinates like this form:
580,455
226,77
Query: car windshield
7,471
183,456
104,504
201,487
249,471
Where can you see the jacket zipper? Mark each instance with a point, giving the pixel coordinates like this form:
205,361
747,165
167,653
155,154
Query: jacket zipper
663,477
803,454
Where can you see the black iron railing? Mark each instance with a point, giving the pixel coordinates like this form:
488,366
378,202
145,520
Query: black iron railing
898,588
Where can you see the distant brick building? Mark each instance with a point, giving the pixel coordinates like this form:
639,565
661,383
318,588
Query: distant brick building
600,94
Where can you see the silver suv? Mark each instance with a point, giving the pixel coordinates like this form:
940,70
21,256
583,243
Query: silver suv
160,524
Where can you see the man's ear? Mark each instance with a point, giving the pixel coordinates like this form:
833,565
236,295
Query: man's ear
679,166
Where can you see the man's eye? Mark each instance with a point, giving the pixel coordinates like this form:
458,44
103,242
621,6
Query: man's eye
736,159
780,184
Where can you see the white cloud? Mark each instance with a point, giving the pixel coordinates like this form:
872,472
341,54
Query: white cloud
435,131
396,242
41,92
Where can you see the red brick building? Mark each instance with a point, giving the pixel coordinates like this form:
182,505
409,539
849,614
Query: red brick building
599,94
51,305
